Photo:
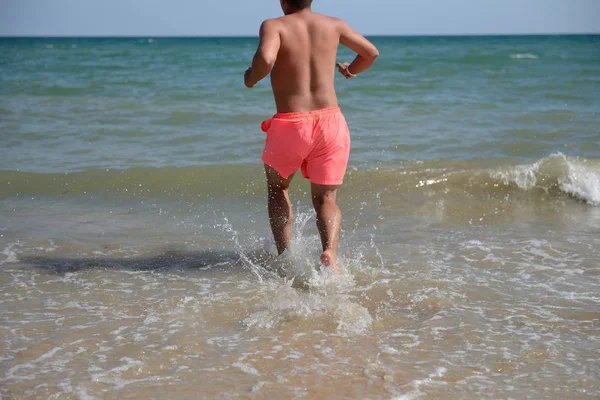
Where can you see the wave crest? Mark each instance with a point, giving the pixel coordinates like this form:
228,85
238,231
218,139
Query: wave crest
579,178
525,56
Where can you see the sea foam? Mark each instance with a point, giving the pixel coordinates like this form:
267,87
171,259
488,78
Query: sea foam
525,56
577,177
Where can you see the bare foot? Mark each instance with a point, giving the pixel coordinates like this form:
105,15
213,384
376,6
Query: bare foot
329,259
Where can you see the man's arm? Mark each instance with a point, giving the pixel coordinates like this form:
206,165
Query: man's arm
266,54
366,52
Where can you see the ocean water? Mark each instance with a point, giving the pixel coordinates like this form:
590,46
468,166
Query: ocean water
136,259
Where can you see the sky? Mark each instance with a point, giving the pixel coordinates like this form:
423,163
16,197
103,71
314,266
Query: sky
243,17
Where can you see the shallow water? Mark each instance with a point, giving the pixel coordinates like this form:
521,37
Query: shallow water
421,311
136,259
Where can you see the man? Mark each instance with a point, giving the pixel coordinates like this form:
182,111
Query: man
309,131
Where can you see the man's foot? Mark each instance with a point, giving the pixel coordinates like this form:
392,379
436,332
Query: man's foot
329,259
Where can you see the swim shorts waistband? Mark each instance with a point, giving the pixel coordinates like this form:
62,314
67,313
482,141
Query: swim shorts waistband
308,115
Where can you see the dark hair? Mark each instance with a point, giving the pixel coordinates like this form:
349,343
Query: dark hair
299,4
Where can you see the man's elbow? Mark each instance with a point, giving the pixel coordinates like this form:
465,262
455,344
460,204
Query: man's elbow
267,60
373,54
370,54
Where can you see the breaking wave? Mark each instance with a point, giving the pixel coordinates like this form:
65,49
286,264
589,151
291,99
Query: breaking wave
553,175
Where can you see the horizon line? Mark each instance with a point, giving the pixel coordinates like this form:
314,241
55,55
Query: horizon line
3,36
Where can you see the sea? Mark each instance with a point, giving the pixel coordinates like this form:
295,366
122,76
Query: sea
137,262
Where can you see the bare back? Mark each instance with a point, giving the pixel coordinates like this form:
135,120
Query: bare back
303,75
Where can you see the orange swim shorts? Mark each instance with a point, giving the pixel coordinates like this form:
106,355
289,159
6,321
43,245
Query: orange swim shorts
318,142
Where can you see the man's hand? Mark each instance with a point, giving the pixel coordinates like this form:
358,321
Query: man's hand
343,68
247,81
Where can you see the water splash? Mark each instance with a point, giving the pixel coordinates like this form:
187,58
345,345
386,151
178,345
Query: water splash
9,254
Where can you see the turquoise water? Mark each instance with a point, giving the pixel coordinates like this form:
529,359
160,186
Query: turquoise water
136,258
94,102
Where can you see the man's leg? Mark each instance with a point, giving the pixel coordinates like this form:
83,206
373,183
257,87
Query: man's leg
280,208
329,221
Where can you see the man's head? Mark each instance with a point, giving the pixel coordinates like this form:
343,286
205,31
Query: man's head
292,6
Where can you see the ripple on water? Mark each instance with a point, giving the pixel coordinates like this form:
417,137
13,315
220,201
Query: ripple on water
461,316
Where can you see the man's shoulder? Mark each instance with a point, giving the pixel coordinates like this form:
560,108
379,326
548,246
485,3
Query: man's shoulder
271,21
332,21
271,24
283,21
329,18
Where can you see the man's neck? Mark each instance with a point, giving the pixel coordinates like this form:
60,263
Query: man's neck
302,11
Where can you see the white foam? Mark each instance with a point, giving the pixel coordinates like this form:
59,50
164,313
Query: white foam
119,330
415,339
10,374
246,368
390,350
258,386
408,396
430,380
10,254
83,394
151,319
577,177
293,355
113,376
351,318
581,181
49,354
524,176
50,248
524,56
